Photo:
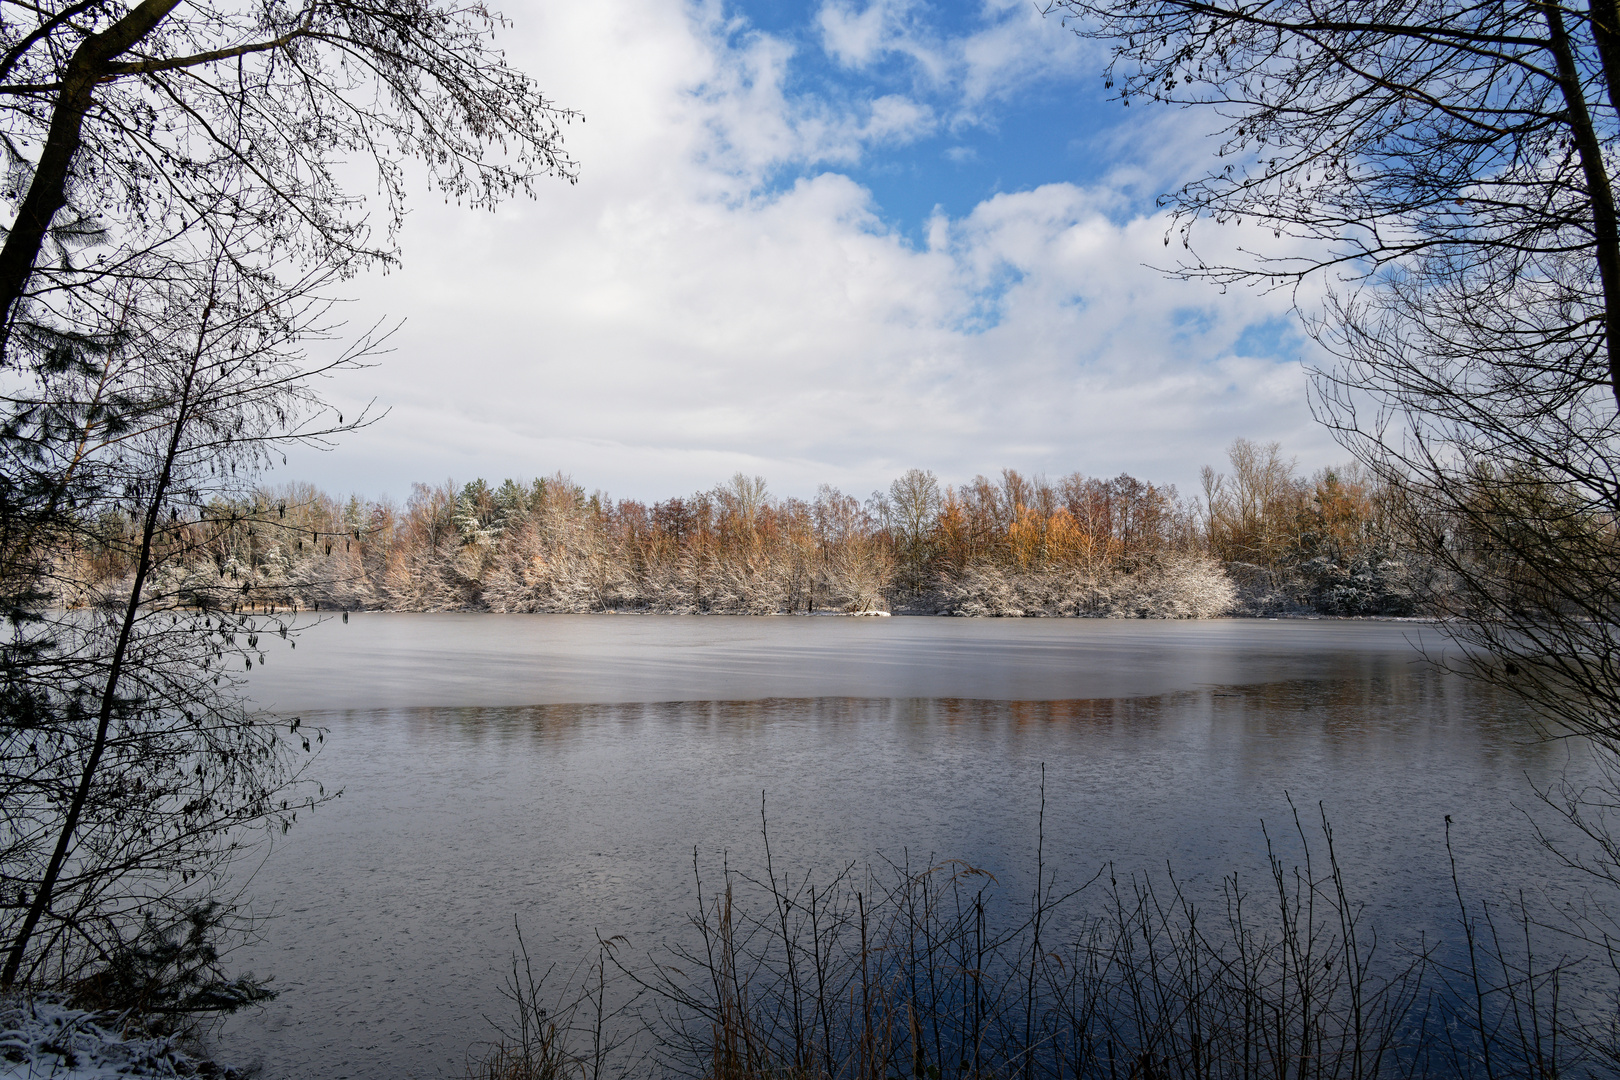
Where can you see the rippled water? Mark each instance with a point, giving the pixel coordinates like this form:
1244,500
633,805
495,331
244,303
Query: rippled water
561,770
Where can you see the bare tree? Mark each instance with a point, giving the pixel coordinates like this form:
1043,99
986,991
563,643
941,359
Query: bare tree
154,119
178,215
914,503
744,496
1444,170
1432,147
130,763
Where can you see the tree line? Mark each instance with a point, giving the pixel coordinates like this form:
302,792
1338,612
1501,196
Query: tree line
1261,539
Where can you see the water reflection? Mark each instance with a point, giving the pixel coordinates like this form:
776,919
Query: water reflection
562,770
395,904
1358,705
404,660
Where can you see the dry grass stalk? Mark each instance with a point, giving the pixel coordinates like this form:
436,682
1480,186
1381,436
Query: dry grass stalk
935,975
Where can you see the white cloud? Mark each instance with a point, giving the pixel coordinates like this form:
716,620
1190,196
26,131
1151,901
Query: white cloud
674,318
895,119
1013,45
1016,47
857,38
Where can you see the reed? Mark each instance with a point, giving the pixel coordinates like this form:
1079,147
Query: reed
546,1035
931,973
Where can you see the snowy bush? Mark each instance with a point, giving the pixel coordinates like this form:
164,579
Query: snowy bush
1174,587
42,1039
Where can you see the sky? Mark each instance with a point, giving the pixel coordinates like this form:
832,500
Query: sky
819,242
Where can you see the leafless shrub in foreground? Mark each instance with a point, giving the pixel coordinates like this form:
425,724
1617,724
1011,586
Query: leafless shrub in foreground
936,972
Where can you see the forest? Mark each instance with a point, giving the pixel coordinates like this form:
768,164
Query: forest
1261,539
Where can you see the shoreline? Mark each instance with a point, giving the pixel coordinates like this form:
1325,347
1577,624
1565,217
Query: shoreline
902,613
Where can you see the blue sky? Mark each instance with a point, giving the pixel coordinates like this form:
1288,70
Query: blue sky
971,150
819,242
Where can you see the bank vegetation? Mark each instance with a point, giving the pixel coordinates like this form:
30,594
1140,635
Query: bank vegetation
1261,538
941,971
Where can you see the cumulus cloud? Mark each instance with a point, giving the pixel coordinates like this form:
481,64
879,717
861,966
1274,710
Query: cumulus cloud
859,36
681,314
1008,46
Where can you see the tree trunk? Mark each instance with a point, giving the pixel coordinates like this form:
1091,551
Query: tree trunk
1605,16
1605,226
47,191
109,696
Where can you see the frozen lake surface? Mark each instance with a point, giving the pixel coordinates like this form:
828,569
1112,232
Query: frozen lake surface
561,770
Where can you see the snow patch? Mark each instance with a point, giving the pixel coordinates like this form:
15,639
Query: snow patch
42,1039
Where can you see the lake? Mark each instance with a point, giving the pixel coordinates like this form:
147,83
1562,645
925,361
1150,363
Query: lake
560,771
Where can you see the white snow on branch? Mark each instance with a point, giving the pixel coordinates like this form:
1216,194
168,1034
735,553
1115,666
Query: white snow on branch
42,1039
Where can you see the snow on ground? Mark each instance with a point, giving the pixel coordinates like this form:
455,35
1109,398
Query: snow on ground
42,1039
